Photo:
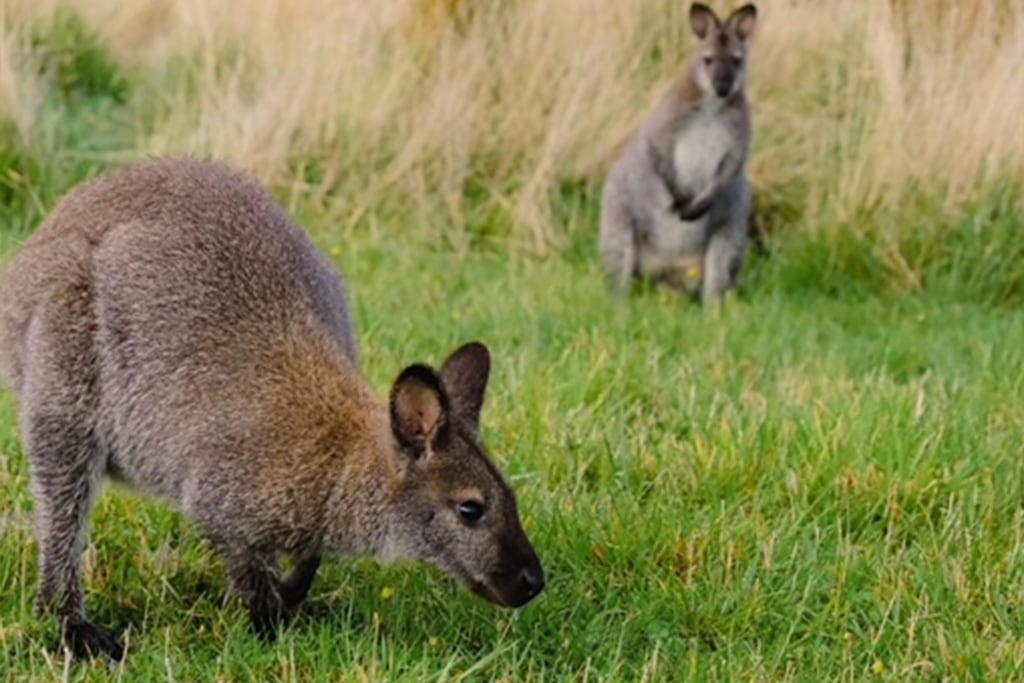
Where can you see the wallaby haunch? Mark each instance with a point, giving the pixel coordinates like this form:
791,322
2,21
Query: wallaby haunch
676,202
170,327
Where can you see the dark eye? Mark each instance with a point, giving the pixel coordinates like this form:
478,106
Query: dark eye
736,61
707,61
470,510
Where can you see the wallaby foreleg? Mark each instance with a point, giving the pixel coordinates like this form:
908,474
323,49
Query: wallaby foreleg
295,587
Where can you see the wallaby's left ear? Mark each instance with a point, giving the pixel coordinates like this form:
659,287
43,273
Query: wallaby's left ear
419,408
464,376
703,19
742,21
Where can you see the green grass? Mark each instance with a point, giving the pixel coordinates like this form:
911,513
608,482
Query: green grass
824,482
796,489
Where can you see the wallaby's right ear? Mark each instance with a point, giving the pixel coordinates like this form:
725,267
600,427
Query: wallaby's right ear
703,19
419,408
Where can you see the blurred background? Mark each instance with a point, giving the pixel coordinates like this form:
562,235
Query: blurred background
889,135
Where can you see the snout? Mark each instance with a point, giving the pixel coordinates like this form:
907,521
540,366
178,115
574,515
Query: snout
723,85
527,585
516,583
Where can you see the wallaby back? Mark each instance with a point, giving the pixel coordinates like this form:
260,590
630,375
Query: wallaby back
169,326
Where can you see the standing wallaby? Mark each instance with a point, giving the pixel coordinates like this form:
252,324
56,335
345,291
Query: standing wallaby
676,202
170,327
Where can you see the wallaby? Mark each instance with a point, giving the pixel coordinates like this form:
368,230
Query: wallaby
676,202
170,327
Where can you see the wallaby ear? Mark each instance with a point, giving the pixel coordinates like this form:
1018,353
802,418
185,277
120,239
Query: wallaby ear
419,407
703,19
464,376
742,21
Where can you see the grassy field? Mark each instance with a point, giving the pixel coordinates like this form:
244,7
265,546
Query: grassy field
823,482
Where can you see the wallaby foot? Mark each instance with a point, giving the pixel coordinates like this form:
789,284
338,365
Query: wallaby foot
271,601
63,460
295,587
620,270
722,263
258,584
86,640
266,617
716,306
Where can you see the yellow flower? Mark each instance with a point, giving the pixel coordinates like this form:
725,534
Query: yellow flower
878,667
847,636
387,592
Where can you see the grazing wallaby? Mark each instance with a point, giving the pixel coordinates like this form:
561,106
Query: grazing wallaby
170,327
676,202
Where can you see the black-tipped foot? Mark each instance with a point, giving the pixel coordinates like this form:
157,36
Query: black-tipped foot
86,641
266,622
295,587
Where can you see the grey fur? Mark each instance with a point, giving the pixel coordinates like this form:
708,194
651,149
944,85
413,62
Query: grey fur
169,326
676,202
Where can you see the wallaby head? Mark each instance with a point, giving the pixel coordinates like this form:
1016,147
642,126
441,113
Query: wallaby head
454,509
720,65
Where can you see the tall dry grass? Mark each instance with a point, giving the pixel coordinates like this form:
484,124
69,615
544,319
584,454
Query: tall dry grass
854,102
20,90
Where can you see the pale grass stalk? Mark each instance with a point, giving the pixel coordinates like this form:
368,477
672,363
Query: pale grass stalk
20,87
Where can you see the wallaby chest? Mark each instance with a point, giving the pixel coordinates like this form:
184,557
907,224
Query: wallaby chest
703,140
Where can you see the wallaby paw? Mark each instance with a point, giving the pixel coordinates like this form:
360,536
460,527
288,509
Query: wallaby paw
295,587
86,640
691,210
680,204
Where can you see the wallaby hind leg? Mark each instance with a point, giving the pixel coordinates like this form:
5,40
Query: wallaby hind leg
65,467
617,243
724,256
722,263
66,459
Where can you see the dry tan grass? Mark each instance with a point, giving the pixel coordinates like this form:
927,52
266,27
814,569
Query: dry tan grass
853,100
20,89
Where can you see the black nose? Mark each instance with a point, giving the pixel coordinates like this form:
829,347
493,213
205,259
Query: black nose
531,580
